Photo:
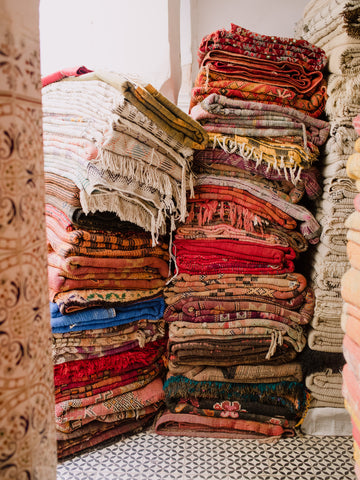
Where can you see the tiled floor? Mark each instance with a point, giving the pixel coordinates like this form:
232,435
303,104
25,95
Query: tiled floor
148,456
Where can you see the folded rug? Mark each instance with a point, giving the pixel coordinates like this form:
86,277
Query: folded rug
190,425
116,364
325,388
98,432
325,340
290,372
101,265
236,66
245,42
308,179
191,307
109,316
290,395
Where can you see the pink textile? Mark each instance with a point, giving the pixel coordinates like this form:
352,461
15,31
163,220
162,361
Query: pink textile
64,73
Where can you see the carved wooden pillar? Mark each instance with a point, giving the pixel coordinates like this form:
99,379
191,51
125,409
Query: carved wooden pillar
27,431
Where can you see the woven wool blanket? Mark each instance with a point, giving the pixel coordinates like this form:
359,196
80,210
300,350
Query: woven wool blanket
220,229
100,433
144,400
109,316
245,351
279,286
103,382
245,42
236,66
282,188
290,372
287,157
325,389
309,226
324,20
82,99
107,221
119,343
313,106
291,395
195,306
104,266
175,424
70,372
315,361
58,283
63,408
221,109
236,331
308,179
111,385
325,340
353,253
244,411
344,96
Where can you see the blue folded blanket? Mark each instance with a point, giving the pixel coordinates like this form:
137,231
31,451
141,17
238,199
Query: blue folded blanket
93,318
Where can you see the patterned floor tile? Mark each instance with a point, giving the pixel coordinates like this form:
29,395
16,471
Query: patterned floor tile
148,456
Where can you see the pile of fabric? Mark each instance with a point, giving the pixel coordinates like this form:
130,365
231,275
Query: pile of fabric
332,25
236,308
350,320
117,170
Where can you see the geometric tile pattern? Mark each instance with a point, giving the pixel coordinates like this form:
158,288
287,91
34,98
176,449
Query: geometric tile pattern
148,456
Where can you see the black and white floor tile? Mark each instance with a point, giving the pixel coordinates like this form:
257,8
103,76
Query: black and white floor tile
148,456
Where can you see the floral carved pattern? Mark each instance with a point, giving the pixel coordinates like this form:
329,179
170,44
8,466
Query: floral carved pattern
27,429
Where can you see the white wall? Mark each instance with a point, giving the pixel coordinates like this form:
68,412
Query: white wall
132,36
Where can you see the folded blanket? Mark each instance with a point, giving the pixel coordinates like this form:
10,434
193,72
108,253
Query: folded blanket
114,364
245,42
279,286
308,179
241,373
198,426
82,265
223,228
325,388
313,361
190,307
59,283
324,21
351,390
147,399
106,316
106,382
64,73
290,395
222,254
343,100
98,432
208,82
236,331
220,110
237,66
325,340
257,199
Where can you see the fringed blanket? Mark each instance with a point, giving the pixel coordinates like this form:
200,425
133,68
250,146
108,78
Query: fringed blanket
259,119
309,179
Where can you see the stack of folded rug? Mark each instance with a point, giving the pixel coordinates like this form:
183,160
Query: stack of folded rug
350,320
333,25
116,170
236,309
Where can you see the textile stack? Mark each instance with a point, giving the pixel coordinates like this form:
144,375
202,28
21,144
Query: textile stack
116,171
236,308
350,320
333,26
